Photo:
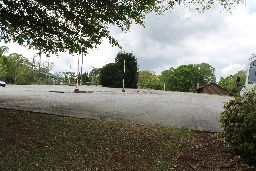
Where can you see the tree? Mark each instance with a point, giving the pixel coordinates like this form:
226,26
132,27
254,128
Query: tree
186,77
57,26
85,78
167,79
94,76
15,68
20,69
108,75
229,82
71,77
131,70
149,80
207,72
3,69
111,75
41,71
76,26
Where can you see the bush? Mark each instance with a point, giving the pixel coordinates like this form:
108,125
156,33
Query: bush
239,123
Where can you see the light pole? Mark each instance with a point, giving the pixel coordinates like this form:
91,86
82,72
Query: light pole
138,76
92,73
69,73
77,72
81,75
123,90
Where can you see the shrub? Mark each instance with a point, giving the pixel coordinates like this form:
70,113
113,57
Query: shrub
238,121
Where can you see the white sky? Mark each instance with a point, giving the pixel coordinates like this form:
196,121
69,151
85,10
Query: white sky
180,37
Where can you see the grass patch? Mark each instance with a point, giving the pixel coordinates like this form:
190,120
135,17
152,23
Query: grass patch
34,141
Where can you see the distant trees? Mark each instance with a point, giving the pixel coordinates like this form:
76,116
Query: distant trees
112,74
229,82
207,72
85,78
94,76
108,75
185,77
131,70
14,68
149,80
17,69
3,69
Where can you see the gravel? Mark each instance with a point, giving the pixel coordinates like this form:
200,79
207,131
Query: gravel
173,109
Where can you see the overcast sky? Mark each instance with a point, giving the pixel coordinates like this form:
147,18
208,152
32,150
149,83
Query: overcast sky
180,37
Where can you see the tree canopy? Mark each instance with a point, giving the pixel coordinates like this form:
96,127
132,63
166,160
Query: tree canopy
149,80
17,69
108,75
229,82
185,77
111,75
61,25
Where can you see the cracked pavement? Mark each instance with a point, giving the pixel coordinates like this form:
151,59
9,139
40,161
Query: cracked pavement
172,109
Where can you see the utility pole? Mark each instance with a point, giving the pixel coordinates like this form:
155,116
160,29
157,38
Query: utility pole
92,73
81,75
123,90
77,73
81,67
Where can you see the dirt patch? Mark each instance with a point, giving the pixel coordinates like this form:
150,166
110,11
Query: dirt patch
207,151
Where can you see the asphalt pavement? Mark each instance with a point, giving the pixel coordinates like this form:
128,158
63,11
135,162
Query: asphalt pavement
172,109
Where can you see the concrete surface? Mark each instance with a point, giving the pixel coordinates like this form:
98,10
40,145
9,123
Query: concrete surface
173,109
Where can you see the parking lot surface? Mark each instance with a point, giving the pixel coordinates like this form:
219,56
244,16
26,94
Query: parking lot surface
173,109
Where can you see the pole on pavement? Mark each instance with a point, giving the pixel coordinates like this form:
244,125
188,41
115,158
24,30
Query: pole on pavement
123,90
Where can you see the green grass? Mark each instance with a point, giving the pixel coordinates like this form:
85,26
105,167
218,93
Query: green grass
34,141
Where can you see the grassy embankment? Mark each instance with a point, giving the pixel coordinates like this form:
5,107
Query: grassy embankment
33,141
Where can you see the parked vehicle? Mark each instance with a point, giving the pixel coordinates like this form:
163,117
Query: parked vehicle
2,83
250,81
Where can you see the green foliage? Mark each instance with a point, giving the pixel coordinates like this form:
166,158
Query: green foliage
70,77
207,72
238,121
58,26
149,80
108,75
131,70
167,78
229,82
185,77
16,69
76,26
111,75
2,69
85,78
94,76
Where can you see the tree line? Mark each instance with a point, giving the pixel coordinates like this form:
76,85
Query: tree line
16,69
183,78
186,77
